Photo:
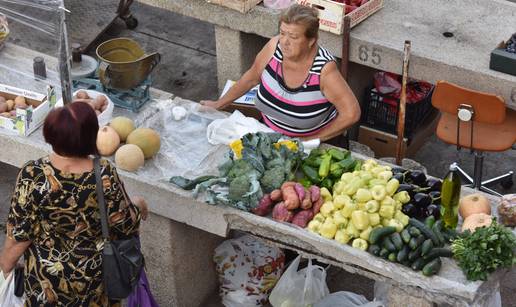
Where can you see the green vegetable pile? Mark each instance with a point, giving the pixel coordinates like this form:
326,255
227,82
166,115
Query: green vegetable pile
323,167
483,251
241,183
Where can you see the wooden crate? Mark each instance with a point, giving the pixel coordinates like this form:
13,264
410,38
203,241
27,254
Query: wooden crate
331,13
243,6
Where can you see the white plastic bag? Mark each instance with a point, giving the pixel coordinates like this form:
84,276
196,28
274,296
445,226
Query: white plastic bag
248,269
226,130
348,299
277,4
300,288
7,297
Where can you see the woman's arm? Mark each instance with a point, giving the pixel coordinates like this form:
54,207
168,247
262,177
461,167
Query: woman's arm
11,252
337,91
250,78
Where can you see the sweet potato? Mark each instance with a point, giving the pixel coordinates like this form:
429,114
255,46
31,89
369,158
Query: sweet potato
281,213
316,207
306,203
276,195
290,197
302,218
316,193
300,190
264,206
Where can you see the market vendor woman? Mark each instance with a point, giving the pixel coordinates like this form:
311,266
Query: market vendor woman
301,93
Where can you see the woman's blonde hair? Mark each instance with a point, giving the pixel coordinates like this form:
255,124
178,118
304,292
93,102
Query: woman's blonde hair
302,15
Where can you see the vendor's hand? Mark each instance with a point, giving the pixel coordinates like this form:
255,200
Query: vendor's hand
211,104
142,205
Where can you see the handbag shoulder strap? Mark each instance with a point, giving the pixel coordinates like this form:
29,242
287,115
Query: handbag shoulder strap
100,199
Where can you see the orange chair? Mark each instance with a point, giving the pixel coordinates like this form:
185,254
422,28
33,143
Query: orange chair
478,121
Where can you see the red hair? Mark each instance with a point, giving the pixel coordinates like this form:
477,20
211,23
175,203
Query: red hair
72,130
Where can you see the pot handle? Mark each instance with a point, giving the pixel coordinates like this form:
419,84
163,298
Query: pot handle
104,77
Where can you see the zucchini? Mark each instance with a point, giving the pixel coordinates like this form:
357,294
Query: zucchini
416,242
374,249
438,252
424,230
387,243
392,257
405,235
418,264
396,239
378,233
432,267
414,232
437,228
413,255
426,247
384,253
403,254
429,221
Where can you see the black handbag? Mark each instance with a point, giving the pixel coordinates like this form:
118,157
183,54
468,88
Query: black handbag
122,260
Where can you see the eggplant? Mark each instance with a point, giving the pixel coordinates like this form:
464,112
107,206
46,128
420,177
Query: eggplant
400,177
410,210
434,184
435,196
434,210
406,187
416,177
421,200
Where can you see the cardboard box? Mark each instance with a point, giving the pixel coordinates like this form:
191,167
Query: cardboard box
244,104
331,13
243,6
502,60
384,144
27,120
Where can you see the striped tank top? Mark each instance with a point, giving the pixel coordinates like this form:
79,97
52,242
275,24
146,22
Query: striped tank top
301,111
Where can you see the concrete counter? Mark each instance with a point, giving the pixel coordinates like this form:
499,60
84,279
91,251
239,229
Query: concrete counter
478,26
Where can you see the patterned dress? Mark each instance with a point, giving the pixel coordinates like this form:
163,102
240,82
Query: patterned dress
58,212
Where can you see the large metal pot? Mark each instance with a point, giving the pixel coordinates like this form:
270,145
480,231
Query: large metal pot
124,64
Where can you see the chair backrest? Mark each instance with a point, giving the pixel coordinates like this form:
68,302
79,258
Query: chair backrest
488,108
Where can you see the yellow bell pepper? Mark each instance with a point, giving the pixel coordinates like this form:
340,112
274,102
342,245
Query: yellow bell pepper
352,231
342,237
360,244
339,219
325,194
397,224
365,233
327,208
313,226
346,177
348,209
340,201
386,212
372,206
402,197
360,219
402,218
319,217
328,229
374,219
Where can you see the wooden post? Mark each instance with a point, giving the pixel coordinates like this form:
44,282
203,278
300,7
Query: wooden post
403,102
344,64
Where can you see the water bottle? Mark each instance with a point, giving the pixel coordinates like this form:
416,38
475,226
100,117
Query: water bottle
450,196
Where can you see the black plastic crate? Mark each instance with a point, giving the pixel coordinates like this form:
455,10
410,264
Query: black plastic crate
381,112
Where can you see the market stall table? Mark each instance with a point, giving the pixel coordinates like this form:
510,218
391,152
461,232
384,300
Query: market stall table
476,28
175,252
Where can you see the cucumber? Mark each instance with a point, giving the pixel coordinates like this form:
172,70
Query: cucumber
424,230
413,255
405,235
436,229
378,233
449,235
418,264
438,252
429,221
396,239
416,242
414,232
384,253
374,249
432,267
392,257
403,254
426,247
387,243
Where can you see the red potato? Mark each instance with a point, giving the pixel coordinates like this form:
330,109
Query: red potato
307,201
290,197
316,193
276,195
264,206
302,218
281,213
287,184
316,207
300,190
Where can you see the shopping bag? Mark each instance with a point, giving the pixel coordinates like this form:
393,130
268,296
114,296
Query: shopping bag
142,295
7,297
300,288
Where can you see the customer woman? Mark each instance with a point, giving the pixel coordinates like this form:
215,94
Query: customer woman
54,219
301,92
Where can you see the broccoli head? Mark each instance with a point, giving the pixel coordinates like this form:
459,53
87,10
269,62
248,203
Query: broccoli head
272,178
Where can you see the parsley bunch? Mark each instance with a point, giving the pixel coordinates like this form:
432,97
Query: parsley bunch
483,251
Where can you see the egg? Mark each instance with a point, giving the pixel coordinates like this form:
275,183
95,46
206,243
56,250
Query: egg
82,95
100,101
20,102
10,104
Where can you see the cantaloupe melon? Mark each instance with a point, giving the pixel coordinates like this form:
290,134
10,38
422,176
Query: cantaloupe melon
107,141
147,139
123,126
129,157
